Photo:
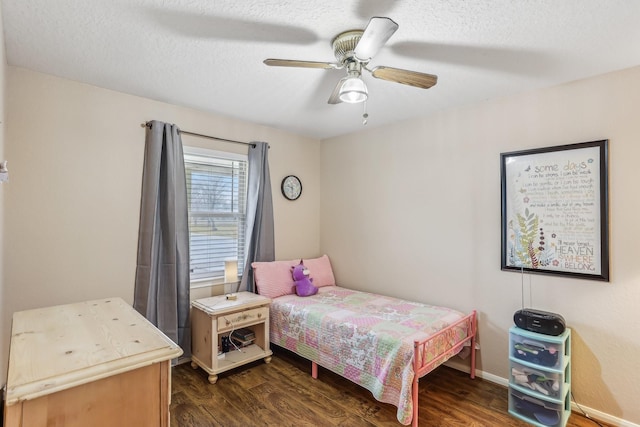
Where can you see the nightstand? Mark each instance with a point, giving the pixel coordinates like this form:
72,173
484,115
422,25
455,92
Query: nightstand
216,317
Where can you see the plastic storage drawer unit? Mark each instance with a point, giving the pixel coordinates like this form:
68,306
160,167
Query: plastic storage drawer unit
540,377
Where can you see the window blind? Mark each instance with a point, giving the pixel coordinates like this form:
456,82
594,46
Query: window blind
216,189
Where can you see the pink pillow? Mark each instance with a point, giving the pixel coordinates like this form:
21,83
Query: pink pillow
320,271
273,279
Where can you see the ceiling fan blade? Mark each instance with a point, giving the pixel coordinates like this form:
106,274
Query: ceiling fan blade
378,32
295,63
406,77
335,95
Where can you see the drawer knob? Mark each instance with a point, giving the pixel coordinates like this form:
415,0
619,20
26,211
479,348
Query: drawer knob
259,315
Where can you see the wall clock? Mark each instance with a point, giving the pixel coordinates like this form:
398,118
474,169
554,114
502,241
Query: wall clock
291,187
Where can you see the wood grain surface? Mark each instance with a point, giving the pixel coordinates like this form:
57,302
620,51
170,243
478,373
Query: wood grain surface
283,393
56,348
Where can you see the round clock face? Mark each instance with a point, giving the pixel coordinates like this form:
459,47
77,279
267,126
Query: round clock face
291,187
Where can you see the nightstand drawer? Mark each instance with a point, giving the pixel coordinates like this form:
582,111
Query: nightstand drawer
238,319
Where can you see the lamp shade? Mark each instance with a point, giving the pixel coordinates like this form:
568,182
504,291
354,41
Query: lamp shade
230,270
353,90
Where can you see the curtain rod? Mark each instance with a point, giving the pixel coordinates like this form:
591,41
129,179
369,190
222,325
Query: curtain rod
148,124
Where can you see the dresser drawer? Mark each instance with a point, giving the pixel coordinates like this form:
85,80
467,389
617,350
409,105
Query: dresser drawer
238,319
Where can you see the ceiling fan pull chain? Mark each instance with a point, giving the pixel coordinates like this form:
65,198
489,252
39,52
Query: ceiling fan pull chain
365,116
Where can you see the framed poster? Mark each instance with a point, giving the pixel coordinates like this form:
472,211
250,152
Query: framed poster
555,210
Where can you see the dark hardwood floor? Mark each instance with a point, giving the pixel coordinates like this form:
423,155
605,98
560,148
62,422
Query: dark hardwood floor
282,393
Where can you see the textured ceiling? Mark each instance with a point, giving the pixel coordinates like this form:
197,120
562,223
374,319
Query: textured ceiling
208,54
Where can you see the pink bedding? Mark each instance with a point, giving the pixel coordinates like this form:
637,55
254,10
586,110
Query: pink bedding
364,337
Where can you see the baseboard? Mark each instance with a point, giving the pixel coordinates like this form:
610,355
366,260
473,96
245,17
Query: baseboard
601,416
593,413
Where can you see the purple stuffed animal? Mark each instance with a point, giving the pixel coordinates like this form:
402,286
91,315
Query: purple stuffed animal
304,287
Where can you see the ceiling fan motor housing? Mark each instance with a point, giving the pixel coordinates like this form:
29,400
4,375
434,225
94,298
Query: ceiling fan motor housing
344,45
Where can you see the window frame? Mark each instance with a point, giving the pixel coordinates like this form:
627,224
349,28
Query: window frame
193,154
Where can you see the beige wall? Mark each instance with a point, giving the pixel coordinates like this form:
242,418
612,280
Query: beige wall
72,208
413,210
5,317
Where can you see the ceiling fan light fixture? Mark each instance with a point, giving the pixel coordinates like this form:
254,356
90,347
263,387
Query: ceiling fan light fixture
353,50
353,90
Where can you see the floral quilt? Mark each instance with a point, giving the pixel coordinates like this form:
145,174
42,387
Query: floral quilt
364,337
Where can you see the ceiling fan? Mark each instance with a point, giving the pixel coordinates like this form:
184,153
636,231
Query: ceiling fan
353,50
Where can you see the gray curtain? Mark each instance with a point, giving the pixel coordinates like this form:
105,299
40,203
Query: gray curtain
259,241
162,272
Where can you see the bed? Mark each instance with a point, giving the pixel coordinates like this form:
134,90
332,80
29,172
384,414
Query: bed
381,343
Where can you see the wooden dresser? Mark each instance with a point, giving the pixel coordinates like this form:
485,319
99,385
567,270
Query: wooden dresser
96,363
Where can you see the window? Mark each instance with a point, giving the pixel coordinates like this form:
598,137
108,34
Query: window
216,199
